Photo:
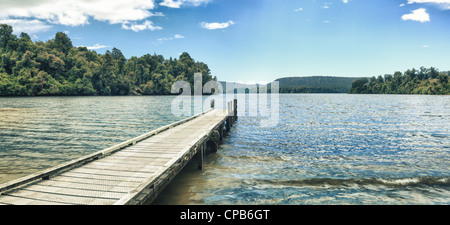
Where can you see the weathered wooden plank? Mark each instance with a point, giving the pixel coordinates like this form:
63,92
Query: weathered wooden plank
84,186
178,141
122,178
123,163
136,160
70,191
146,185
103,177
107,172
19,200
85,180
58,198
152,146
160,146
121,167
145,154
155,150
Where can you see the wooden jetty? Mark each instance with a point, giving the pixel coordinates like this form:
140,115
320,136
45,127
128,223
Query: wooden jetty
133,172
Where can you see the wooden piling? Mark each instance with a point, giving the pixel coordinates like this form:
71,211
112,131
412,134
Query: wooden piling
200,156
235,109
214,141
221,127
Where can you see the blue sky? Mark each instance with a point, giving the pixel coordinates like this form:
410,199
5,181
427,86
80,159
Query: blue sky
253,40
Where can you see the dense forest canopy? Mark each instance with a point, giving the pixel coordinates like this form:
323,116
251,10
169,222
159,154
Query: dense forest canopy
315,84
412,81
56,67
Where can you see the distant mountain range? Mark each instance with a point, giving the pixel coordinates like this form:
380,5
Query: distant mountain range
313,84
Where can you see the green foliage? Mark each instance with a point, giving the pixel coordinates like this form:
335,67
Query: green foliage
423,81
315,84
56,67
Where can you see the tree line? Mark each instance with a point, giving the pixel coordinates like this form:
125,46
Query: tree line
412,81
56,67
315,84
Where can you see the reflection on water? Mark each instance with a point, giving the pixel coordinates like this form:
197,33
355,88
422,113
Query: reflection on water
326,148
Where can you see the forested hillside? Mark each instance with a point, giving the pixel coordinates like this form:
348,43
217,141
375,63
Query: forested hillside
56,67
315,84
412,81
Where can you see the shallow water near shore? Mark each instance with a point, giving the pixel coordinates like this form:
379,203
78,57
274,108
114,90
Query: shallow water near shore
325,149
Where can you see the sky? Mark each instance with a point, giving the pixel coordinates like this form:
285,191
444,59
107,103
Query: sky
253,40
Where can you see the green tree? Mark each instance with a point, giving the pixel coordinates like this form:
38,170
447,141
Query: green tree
61,42
57,68
443,78
433,73
6,35
424,81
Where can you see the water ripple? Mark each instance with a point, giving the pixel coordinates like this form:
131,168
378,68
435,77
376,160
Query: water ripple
337,149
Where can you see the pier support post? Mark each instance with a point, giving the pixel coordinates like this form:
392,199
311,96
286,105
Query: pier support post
213,142
235,109
221,132
200,156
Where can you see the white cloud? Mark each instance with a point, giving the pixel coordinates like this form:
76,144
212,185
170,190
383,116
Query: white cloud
147,25
298,10
171,3
213,26
157,14
176,36
97,46
179,3
78,12
425,46
417,15
443,4
27,26
429,1
345,1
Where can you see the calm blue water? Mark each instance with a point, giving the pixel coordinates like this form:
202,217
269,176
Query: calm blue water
326,148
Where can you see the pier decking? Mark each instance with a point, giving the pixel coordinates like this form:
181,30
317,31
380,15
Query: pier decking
130,173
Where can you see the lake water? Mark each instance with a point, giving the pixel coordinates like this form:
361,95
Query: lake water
326,148
40,132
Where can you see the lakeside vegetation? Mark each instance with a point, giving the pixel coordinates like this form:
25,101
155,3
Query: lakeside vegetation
315,84
56,67
423,81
